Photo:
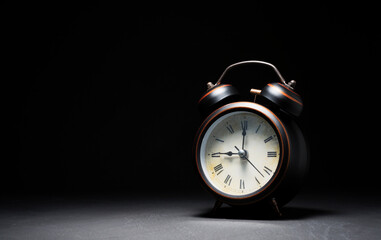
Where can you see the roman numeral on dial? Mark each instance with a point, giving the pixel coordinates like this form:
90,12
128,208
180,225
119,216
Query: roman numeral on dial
257,180
267,170
258,128
271,154
230,128
241,184
228,179
268,139
218,169
217,139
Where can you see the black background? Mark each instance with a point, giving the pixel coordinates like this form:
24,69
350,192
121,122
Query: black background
102,98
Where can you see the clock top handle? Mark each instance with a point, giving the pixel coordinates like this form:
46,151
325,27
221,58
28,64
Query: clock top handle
281,94
291,84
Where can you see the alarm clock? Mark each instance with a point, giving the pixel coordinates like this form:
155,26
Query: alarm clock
251,154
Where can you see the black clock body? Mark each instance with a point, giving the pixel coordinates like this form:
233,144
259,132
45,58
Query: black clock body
294,160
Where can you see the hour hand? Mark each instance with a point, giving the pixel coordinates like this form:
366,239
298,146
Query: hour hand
230,153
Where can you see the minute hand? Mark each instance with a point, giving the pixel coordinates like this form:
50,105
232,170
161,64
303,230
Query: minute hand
243,126
253,166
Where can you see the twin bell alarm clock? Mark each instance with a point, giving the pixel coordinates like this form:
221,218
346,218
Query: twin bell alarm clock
251,154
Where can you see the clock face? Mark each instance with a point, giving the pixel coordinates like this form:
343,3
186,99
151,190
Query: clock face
240,154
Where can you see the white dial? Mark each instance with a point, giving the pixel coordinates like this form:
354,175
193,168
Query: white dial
240,153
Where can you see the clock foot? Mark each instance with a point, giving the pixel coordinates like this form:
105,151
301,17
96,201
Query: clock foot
275,207
216,206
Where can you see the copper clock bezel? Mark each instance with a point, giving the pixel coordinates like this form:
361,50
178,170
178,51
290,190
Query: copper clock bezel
281,132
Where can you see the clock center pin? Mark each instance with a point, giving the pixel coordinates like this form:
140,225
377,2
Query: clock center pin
242,153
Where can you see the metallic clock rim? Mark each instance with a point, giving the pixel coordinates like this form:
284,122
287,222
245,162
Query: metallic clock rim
285,147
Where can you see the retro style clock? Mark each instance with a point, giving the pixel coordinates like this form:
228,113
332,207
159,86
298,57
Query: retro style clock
249,153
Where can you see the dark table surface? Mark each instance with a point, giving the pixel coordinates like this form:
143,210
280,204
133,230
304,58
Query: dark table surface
309,216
